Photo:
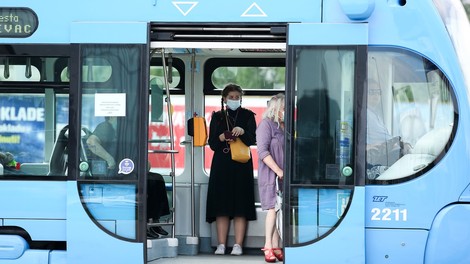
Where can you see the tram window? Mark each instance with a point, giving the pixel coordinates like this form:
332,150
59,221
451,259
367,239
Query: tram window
23,126
260,74
32,69
156,101
157,77
456,23
410,115
32,114
175,76
159,129
26,135
159,136
17,73
250,77
94,70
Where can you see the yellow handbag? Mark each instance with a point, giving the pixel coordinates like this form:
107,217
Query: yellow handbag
240,152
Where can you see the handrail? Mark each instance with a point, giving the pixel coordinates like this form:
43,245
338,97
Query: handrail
160,224
171,151
164,140
193,202
172,139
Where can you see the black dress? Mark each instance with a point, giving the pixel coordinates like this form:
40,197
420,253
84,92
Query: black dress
231,184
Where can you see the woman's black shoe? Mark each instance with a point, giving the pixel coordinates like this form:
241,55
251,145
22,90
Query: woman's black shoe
158,230
151,234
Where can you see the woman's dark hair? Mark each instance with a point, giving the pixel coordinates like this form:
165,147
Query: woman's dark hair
230,88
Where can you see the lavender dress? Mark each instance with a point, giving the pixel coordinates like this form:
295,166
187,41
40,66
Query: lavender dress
270,141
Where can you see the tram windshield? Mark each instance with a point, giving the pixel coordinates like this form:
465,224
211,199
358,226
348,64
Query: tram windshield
410,114
456,22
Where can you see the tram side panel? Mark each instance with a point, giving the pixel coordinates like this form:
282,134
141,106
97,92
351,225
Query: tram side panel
28,209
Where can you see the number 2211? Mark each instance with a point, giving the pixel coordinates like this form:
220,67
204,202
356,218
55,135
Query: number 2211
386,214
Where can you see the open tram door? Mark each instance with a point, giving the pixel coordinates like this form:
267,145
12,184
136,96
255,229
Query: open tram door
109,97
324,184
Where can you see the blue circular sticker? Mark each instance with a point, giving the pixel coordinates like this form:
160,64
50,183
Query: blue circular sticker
126,166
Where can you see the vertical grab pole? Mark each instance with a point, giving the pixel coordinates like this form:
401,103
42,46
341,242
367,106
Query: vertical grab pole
172,140
192,190
193,203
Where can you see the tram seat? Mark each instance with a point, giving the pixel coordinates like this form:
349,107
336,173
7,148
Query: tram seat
433,142
58,161
425,151
83,145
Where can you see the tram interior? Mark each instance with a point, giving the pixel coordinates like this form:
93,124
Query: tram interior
206,103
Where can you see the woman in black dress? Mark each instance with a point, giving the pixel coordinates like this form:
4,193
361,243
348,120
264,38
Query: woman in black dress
231,186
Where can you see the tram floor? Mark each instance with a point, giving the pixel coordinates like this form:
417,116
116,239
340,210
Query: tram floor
211,259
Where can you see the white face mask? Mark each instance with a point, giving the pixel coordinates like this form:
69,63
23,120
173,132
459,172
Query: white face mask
281,117
233,104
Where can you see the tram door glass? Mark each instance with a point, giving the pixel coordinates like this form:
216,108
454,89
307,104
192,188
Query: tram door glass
110,83
322,140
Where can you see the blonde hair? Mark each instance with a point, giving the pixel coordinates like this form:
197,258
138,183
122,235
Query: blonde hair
274,105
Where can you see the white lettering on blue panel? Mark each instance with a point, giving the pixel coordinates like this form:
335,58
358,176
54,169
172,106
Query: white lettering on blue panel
388,214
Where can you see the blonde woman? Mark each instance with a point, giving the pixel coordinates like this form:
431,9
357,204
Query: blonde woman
270,142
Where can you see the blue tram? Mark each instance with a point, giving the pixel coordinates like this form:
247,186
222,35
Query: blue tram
377,95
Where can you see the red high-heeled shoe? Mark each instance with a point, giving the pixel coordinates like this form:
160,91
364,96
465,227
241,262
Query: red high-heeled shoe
278,253
269,255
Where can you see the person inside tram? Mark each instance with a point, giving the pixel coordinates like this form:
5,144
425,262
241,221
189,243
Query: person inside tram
102,143
270,147
157,204
314,133
231,193
383,149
